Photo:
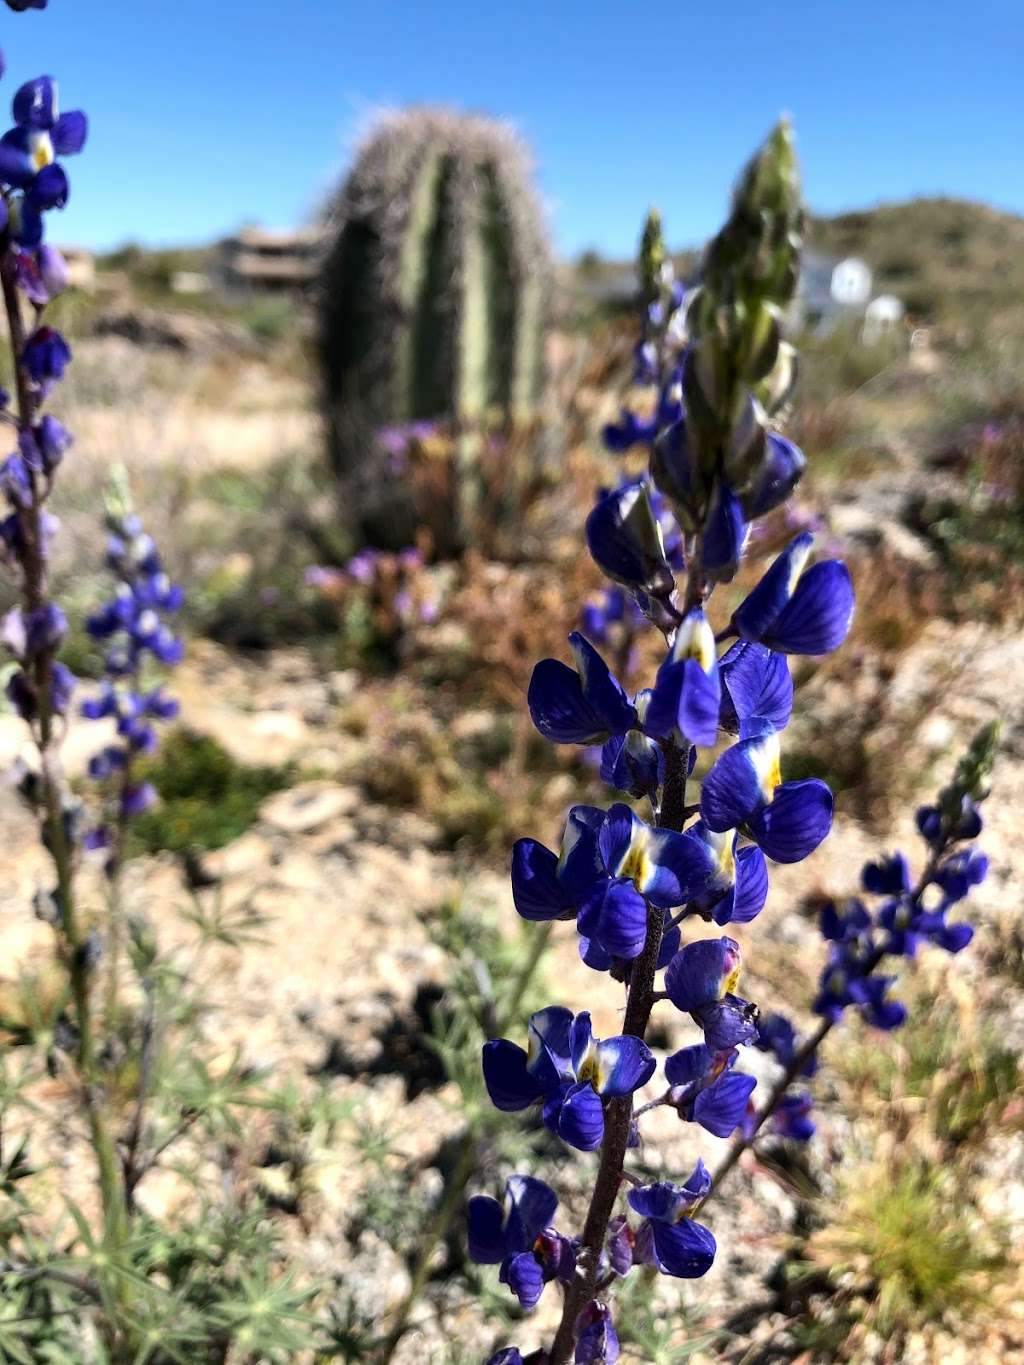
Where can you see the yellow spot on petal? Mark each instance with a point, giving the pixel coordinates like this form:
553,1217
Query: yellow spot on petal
589,1070
636,863
725,861
40,150
695,640
766,760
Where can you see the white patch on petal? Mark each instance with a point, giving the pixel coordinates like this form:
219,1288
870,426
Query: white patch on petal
695,640
764,759
797,564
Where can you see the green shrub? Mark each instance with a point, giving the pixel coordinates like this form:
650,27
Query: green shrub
207,798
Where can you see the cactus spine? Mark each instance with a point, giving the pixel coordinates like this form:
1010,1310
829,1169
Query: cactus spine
433,303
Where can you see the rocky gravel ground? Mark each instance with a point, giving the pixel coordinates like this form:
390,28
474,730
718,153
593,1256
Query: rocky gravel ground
347,888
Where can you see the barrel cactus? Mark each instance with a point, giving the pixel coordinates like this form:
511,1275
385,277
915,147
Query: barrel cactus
433,303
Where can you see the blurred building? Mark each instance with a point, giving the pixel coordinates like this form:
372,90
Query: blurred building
833,292
266,260
190,282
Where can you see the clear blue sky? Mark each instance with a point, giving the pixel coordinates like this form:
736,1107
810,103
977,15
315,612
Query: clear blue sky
209,113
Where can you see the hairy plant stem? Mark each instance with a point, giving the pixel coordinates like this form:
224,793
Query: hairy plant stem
619,1113
464,1169
51,783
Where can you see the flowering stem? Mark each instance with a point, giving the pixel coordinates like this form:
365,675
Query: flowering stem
51,782
811,1044
115,903
800,1059
619,1114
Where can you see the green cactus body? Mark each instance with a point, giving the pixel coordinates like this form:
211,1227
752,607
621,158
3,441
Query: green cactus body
433,303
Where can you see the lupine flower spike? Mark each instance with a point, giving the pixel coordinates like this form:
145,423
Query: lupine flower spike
138,646
909,915
627,876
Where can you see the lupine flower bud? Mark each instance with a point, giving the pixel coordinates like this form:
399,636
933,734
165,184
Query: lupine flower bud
53,270
46,356
652,257
596,1339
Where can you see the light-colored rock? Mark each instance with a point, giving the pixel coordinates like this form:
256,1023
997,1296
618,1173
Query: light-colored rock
309,806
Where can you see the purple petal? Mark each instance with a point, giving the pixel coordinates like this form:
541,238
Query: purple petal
509,1083
795,822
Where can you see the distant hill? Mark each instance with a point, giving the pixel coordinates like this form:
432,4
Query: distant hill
949,260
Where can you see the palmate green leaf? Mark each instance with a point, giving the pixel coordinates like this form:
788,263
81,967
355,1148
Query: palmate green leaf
651,1336
234,926
267,1316
175,1328
15,1080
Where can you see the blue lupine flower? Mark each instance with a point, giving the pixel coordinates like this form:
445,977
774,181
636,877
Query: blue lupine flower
569,1070
907,926
775,478
700,981
641,864
792,1117
518,1236
672,466
841,985
967,826
596,1340
508,1355
745,788
725,535
45,357
663,865
549,886
846,922
959,873
131,622
137,798
685,699
757,691
22,695
51,440
628,431
581,706
776,1034
16,480
795,609
606,609
42,273
889,876
619,1246
626,540
632,762
611,865
877,1007
29,634
737,877
29,150
668,1238
706,1090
